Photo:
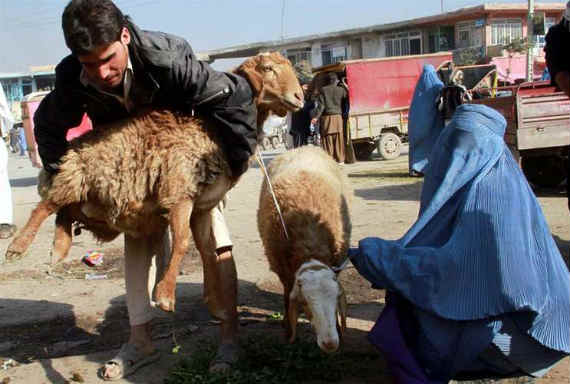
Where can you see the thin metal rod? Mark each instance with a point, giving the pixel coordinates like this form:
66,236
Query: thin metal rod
271,191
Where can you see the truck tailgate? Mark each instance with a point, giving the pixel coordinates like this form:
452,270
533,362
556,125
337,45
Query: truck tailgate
543,120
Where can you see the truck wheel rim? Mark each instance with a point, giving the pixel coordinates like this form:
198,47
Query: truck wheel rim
390,146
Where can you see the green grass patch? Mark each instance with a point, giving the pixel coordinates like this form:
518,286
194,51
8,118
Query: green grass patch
275,316
266,360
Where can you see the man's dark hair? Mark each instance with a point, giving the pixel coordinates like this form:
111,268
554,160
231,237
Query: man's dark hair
88,24
332,78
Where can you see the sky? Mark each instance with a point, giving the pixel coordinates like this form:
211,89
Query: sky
30,30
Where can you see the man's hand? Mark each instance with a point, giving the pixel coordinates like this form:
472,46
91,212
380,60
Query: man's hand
563,81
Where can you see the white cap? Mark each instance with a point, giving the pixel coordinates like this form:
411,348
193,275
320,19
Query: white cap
567,11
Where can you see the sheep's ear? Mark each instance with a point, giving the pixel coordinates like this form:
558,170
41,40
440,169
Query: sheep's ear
342,310
253,77
293,314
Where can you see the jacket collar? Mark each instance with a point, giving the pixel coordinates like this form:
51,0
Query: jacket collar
145,85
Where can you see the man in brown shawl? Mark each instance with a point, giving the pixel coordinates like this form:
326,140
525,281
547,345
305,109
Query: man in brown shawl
330,101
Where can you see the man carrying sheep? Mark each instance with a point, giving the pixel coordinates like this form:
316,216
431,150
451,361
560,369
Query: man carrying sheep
114,70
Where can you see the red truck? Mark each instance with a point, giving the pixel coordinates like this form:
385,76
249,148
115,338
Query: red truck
380,92
538,129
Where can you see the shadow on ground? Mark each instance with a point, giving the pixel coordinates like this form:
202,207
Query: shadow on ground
23,182
69,335
404,192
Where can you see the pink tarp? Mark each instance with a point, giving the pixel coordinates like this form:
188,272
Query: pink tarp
511,69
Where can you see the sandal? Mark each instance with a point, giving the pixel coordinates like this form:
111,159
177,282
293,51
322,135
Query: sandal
226,356
128,360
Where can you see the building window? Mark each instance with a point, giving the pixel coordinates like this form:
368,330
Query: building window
548,22
45,83
333,54
504,31
297,56
464,39
470,33
27,86
404,43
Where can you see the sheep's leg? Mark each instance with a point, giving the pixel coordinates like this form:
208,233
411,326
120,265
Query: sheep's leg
289,331
27,234
291,316
220,287
179,218
62,236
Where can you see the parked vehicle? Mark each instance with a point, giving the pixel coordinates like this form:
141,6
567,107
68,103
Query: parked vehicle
538,129
380,92
275,133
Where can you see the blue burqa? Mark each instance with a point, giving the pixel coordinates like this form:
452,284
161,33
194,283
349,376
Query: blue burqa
479,255
424,120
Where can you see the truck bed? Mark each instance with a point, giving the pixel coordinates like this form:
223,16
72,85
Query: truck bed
538,117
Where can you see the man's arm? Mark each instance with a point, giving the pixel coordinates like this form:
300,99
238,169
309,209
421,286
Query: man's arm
52,120
224,97
320,106
345,107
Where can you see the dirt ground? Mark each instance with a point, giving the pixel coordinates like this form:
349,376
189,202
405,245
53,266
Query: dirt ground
58,327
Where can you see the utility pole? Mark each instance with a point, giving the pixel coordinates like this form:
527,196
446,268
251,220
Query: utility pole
282,18
530,41
437,44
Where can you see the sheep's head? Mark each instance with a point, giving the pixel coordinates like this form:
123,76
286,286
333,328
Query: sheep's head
274,82
318,290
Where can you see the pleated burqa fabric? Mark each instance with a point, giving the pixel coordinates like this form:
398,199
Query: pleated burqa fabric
479,250
424,120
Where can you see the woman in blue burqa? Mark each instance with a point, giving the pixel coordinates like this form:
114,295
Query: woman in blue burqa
476,287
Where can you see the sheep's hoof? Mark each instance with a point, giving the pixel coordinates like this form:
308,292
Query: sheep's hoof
165,296
56,256
226,356
14,253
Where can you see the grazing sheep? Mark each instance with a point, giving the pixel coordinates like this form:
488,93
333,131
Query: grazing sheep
158,169
313,195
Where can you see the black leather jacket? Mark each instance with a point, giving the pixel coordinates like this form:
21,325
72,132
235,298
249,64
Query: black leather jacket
166,74
556,49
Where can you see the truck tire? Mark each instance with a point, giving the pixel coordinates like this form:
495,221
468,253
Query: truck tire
389,146
544,171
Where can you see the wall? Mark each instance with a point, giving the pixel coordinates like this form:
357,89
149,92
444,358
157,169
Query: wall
316,58
355,48
371,46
